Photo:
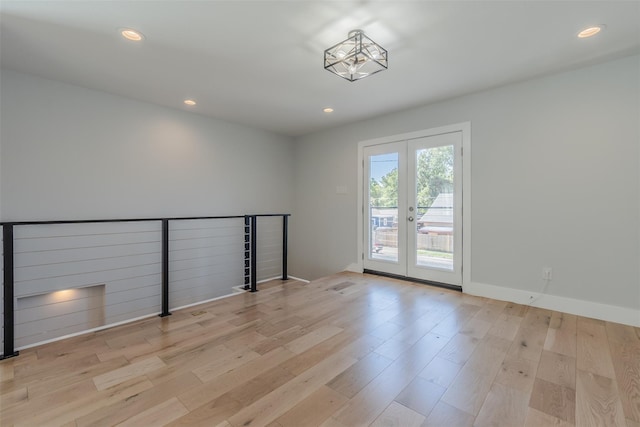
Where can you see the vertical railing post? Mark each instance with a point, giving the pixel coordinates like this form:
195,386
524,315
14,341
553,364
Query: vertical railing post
165,268
285,238
8,292
247,252
254,250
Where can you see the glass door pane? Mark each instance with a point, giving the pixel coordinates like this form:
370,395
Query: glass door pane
385,205
434,210
435,199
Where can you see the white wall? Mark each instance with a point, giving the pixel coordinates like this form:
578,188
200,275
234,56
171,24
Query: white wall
554,177
74,153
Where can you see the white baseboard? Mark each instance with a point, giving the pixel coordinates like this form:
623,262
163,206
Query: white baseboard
280,278
268,280
299,279
354,268
611,313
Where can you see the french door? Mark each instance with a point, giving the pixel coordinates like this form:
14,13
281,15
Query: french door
413,208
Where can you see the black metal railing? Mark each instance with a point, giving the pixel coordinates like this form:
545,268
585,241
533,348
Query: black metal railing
250,260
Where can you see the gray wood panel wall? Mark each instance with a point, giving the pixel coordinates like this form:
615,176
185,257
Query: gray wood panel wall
74,277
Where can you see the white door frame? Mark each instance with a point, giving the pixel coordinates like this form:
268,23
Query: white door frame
465,128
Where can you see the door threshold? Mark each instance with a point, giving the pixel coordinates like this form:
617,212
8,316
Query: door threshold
413,279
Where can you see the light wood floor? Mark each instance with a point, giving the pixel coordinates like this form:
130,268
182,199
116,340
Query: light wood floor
347,350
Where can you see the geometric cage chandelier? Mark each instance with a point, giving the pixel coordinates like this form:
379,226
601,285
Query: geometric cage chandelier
356,57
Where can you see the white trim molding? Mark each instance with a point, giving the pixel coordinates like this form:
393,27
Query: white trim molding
611,313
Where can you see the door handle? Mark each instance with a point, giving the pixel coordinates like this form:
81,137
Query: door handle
410,219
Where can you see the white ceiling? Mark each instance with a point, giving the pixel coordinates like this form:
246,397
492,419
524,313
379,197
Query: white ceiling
259,63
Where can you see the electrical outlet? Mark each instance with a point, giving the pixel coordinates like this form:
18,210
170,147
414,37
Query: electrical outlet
546,273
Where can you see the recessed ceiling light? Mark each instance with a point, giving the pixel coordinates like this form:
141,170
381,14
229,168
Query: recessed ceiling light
189,102
132,35
328,110
590,32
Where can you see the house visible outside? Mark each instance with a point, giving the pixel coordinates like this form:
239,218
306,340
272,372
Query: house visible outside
434,228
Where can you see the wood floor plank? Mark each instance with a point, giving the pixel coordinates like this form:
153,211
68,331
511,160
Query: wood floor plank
397,415
313,410
503,406
214,412
491,311
87,403
513,309
332,422
310,358
202,394
215,368
285,397
130,352
260,386
63,378
506,326
476,328
440,371
278,324
23,411
444,415
557,368
393,348
125,373
6,371
356,377
517,373
562,334
279,339
191,359
488,355
367,405
121,410
536,418
14,397
456,320
624,343
593,353
160,414
597,401
170,323
414,331
529,341
420,395
554,399
386,330
468,390
305,342
39,372
347,350
459,348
